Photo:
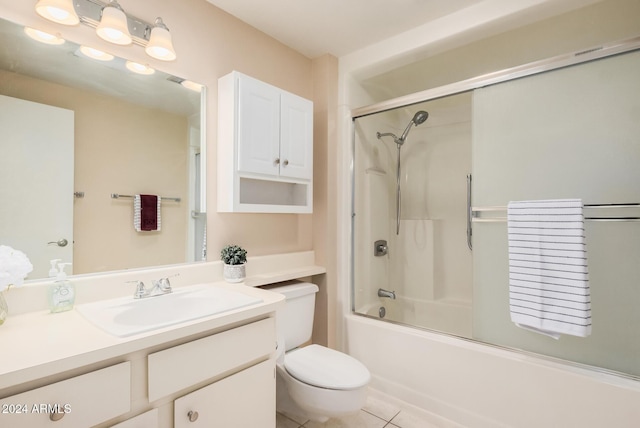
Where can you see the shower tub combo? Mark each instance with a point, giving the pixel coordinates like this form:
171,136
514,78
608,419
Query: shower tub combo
430,305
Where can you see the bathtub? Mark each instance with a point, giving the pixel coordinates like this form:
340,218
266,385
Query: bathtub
441,315
482,386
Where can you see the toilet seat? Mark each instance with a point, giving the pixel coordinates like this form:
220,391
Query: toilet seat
326,368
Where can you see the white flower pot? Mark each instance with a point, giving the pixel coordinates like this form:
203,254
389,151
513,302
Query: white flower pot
234,273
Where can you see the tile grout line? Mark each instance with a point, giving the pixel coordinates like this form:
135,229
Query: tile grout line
380,417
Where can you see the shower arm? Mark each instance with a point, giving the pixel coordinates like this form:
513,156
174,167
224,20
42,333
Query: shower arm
389,134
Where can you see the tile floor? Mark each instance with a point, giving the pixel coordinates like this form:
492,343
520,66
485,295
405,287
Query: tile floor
380,411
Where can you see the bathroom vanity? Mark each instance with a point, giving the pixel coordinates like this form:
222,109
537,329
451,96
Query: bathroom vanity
61,370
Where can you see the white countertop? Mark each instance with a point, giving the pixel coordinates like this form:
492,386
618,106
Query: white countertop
40,344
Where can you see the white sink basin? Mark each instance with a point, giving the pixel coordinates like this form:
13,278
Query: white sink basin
128,316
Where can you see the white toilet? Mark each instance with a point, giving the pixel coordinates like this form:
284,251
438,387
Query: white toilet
314,382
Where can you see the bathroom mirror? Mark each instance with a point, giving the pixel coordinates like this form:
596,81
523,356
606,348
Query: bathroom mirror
76,132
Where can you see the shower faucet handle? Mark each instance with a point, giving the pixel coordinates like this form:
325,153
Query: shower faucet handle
380,248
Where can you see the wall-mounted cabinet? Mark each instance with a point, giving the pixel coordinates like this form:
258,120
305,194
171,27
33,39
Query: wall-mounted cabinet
265,148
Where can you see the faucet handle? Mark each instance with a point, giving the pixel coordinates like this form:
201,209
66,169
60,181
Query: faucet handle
141,291
165,284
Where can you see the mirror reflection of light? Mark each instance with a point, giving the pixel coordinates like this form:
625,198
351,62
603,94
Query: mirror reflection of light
95,53
139,68
43,37
191,85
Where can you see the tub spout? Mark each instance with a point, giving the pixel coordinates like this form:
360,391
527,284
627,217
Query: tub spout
386,293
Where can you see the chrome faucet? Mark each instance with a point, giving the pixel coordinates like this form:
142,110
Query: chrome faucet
159,287
385,293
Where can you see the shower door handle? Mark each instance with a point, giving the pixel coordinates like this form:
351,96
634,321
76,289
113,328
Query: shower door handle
469,214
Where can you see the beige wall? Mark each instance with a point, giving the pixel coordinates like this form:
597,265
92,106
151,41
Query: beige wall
113,140
325,92
210,43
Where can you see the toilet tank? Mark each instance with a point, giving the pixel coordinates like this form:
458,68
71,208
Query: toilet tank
294,321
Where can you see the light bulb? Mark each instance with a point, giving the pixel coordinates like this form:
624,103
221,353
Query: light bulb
113,26
60,11
160,45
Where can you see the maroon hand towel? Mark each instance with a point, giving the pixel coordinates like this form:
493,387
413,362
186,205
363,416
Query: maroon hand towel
148,212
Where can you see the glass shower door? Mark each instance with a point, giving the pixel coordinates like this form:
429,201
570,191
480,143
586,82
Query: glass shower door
412,264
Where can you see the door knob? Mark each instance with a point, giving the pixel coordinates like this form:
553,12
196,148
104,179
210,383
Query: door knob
61,243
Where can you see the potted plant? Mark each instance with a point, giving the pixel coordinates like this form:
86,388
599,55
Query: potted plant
234,258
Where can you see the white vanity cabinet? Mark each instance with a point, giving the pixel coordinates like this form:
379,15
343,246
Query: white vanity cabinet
234,372
265,147
81,401
245,399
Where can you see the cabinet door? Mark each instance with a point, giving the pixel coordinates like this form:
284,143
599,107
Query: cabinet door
296,137
258,127
245,399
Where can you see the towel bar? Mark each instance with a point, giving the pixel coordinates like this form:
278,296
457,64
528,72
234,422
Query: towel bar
476,213
118,195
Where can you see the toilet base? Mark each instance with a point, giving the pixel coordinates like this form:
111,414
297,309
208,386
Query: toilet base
285,405
317,404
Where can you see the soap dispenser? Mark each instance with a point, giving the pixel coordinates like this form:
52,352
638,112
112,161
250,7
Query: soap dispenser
53,272
62,293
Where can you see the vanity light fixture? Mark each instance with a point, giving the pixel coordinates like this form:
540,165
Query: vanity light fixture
139,68
96,53
160,45
60,11
112,24
43,37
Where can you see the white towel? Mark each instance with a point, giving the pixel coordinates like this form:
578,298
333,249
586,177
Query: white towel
548,275
137,214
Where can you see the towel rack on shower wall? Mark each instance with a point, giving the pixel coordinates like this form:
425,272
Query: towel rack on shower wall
477,213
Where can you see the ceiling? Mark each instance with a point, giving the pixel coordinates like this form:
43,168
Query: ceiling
338,27
341,27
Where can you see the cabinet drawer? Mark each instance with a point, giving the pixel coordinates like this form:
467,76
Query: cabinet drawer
186,365
82,401
245,399
146,420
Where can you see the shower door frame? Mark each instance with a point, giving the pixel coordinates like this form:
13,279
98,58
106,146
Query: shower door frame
529,69
549,64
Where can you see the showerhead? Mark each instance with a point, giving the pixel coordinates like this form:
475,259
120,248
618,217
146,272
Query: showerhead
419,118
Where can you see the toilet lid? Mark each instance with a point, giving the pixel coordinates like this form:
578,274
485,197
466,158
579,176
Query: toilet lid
325,368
